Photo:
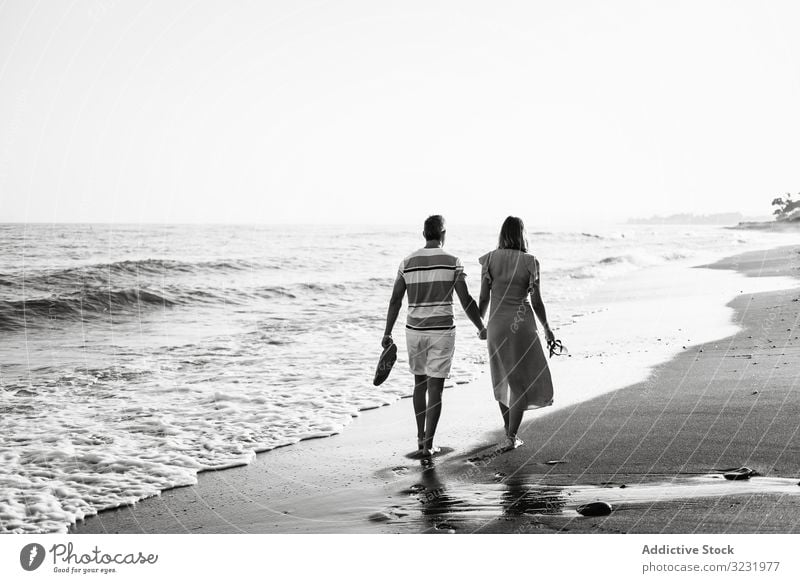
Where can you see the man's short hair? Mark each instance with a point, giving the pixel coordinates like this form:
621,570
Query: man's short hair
434,228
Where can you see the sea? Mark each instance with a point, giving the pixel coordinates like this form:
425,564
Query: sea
133,357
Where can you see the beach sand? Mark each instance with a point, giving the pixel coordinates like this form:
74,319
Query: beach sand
654,449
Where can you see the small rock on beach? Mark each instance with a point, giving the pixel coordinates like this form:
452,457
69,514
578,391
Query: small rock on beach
595,509
742,473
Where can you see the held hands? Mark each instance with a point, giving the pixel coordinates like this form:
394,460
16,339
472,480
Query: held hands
387,341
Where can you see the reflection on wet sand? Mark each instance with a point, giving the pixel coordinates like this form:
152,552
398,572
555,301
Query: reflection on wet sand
436,505
520,498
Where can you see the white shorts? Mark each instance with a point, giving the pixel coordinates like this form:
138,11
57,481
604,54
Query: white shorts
430,352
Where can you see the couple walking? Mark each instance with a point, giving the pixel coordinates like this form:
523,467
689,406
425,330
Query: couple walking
509,277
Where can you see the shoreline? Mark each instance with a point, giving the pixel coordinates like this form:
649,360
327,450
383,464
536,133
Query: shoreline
332,485
773,226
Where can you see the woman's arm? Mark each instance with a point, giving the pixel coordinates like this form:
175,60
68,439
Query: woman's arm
483,299
541,313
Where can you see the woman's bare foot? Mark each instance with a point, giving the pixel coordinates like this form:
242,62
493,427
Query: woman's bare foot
509,443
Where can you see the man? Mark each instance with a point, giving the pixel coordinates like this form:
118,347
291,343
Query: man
430,275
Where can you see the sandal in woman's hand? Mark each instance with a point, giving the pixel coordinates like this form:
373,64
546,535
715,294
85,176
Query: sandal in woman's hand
557,348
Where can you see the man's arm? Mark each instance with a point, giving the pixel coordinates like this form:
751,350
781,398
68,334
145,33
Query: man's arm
395,303
469,305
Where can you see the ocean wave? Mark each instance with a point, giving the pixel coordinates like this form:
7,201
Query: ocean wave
98,299
567,235
271,292
644,259
106,273
615,264
18,314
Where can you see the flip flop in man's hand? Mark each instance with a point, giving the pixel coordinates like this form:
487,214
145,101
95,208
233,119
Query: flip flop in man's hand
385,364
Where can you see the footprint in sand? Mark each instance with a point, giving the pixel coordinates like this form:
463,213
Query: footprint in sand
393,473
491,452
387,515
415,489
398,512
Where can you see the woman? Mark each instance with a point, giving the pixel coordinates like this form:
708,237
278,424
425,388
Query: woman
520,374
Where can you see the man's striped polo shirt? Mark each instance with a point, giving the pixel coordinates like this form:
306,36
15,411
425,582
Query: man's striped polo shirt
430,274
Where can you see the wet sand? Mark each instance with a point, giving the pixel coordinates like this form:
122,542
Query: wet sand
715,406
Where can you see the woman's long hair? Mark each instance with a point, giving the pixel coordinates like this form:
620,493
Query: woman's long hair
512,235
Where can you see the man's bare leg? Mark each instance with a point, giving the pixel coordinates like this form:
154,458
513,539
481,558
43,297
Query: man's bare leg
420,405
435,388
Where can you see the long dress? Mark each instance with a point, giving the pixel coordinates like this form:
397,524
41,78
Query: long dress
516,359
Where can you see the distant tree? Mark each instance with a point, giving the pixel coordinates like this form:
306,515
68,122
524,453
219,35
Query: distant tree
785,207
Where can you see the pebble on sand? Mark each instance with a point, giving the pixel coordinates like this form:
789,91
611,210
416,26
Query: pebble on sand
742,473
595,509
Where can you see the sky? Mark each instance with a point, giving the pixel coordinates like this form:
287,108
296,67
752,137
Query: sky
383,112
